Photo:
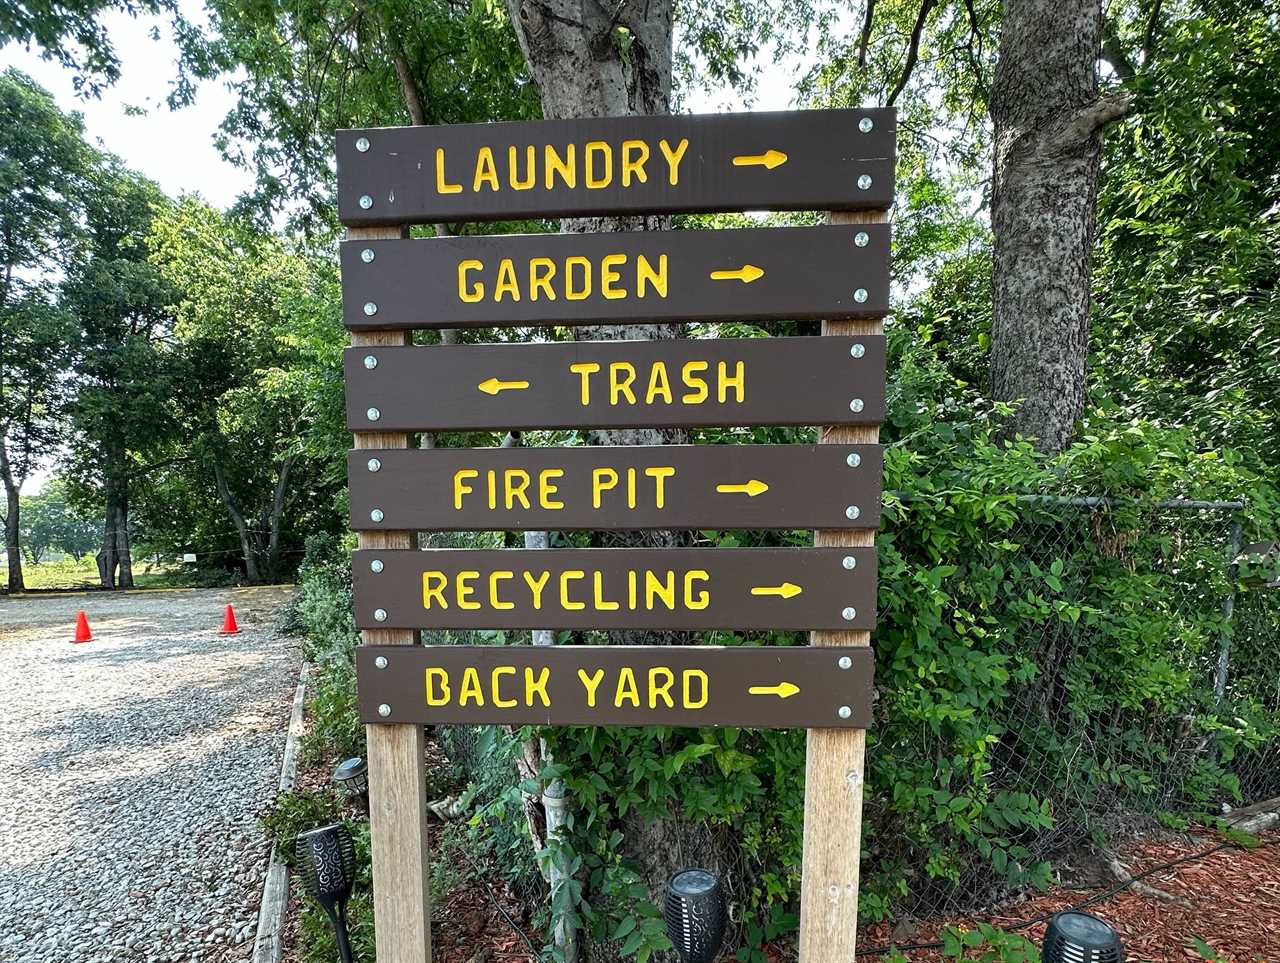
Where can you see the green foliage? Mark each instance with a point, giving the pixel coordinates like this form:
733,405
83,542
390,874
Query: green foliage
295,812
50,522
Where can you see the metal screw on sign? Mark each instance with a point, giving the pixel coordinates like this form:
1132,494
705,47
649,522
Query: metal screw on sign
373,414
866,124
367,255
375,464
845,662
362,144
379,615
849,562
384,710
864,183
857,350
370,362
375,566
844,712
859,295
862,239
376,515
852,512
371,309
380,662
854,460
366,201
848,613
854,405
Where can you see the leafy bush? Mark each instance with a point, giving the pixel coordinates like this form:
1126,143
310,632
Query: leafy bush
296,812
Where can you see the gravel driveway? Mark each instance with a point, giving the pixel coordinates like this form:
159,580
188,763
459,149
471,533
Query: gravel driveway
132,772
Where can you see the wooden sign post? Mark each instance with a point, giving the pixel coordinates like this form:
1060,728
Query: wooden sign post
841,161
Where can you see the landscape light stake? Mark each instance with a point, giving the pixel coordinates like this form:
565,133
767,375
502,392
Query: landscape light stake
1075,937
327,861
696,914
352,779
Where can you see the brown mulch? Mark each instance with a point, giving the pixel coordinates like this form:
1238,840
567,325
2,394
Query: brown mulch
1229,898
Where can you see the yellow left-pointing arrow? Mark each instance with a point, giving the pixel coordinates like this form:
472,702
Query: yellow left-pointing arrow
783,690
786,590
769,159
751,489
746,274
493,386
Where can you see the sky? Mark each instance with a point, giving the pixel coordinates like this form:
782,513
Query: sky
176,148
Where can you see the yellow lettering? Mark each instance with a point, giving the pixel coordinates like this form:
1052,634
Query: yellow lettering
433,585
541,272
583,289
689,675
658,384
591,683
645,274
496,681
659,476
470,688
584,370
601,603
702,599
626,689
565,578
443,186
618,385
536,587
487,171
465,590
516,481
737,382
673,158
436,674
688,375
538,685
566,168
598,148
546,489
609,277
602,479
634,164
663,690
473,294
460,486
494,578
666,591
506,281
513,178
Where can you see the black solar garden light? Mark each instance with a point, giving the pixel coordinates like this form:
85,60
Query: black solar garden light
327,861
696,914
352,779
1075,937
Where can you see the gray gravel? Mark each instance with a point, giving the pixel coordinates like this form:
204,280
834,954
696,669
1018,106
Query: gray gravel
132,772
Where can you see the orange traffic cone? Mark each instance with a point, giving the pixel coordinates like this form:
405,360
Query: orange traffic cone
229,626
82,628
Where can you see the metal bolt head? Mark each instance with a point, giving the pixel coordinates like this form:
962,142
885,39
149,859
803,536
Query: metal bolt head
373,414
366,201
376,566
370,308
864,183
844,663
844,712
384,710
849,562
854,459
866,125
376,515
862,239
848,613
859,295
855,405
375,464
370,362
379,615
852,512
362,144
381,661
367,255
857,350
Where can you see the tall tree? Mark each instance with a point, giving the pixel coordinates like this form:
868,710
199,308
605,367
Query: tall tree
43,164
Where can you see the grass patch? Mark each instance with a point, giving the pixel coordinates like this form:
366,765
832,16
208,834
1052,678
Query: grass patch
68,574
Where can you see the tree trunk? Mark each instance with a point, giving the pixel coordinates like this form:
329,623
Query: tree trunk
114,553
124,554
275,517
247,547
11,519
1048,118
603,60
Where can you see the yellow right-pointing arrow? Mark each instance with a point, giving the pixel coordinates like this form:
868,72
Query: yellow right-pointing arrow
746,274
493,386
751,489
783,690
786,590
769,159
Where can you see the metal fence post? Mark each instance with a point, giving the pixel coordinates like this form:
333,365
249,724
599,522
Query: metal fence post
1228,609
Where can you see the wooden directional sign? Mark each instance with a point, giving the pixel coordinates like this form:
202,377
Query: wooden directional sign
616,488
764,687
616,588
617,384
796,160
834,271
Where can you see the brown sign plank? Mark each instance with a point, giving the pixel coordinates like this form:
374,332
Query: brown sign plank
793,160
759,686
745,274
617,588
616,488
711,382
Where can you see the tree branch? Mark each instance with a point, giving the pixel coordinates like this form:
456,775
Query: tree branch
1113,52
1149,35
1091,118
913,50
865,40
